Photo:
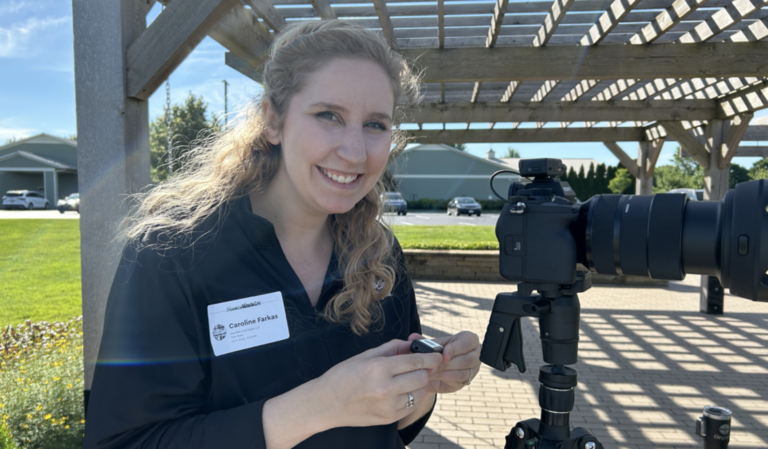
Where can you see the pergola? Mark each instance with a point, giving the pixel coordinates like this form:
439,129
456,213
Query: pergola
693,71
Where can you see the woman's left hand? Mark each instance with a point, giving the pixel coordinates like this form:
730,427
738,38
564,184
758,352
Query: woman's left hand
461,362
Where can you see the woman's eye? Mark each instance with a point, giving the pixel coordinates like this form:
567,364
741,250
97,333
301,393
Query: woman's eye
326,115
376,125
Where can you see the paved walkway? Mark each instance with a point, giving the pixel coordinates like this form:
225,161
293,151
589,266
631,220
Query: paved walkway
648,363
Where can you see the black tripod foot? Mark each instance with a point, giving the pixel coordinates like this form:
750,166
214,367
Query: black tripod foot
525,435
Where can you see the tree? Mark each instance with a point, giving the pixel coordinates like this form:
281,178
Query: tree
72,137
737,174
512,153
188,124
759,169
601,181
459,146
589,187
621,182
684,173
10,140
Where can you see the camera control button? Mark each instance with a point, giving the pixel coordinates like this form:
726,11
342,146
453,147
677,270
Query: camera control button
743,245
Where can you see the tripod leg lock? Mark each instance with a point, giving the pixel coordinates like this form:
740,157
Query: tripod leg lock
524,435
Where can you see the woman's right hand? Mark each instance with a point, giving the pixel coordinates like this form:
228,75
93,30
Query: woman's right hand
372,388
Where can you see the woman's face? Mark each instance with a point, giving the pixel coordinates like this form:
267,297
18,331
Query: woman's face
336,136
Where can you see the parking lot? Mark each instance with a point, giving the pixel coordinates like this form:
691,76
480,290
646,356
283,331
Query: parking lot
441,218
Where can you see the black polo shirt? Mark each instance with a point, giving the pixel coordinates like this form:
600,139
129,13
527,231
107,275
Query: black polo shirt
158,384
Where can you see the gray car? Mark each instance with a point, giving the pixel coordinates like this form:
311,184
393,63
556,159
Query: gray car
464,205
394,202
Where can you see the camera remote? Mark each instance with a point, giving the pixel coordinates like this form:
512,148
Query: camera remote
426,346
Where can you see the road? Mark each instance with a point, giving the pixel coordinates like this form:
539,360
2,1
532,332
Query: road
441,218
44,214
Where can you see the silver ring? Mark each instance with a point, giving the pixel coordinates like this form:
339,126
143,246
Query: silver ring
410,401
469,379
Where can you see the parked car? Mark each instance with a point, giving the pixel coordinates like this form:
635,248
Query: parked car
693,194
72,202
464,205
394,202
24,199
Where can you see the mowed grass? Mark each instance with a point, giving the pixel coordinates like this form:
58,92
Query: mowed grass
446,237
39,270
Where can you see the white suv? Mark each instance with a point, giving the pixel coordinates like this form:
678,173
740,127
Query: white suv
24,199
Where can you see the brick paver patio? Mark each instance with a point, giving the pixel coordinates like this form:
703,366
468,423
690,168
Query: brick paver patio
648,363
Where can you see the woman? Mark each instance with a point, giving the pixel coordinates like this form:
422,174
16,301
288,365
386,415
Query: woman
260,303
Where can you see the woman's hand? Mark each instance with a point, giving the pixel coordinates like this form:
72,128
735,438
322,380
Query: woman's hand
372,388
460,364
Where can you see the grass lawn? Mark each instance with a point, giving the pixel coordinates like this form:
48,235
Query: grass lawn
446,237
39,270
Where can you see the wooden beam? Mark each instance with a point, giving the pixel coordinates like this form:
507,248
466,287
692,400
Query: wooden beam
386,22
747,100
146,6
267,12
555,111
733,138
166,43
608,21
653,88
722,20
499,8
626,161
441,23
510,91
580,89
323,9
527,135
723,59
687,141
752,151
670,17
244,36
551,21
654,156
243,67
476,92
757,31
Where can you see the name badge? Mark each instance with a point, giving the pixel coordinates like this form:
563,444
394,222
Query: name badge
247,323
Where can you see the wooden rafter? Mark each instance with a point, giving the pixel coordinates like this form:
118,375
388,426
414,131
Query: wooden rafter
747,100
440,23
670,17
654,87
626,161
654,156
684,88
245,37
722,59
386,23
721,20
323,9
554,111
580,89
608,21
732,139
267,12
510,91
156,53
528,135
687,141
499,9
551,21
756,31
614,89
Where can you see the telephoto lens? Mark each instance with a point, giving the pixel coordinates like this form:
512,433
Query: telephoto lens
714,427
666,236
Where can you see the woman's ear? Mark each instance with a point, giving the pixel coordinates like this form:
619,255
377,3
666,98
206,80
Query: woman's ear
270,122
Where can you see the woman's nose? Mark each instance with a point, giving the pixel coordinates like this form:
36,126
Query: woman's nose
352,148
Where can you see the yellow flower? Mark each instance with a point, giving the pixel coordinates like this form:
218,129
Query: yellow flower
56,378
66,427
69,385
48,416
29,416
39,407
82,421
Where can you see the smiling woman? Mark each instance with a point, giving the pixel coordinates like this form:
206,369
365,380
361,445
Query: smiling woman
260,302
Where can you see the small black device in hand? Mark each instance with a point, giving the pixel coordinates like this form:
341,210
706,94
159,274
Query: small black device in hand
426,346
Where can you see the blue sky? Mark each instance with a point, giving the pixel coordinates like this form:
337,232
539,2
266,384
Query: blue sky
37,90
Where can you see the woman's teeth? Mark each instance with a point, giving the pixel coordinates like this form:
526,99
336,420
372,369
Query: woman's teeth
340,179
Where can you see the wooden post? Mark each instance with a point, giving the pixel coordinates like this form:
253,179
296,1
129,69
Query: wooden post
715,189
112,149
643,183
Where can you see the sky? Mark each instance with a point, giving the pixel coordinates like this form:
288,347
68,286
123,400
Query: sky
37,85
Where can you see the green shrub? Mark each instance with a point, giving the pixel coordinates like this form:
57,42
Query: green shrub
491,204
6,442
427,204
41,384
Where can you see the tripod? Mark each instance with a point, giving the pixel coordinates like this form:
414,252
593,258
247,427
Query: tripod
558,310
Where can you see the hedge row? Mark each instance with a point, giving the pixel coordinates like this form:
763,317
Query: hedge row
433,204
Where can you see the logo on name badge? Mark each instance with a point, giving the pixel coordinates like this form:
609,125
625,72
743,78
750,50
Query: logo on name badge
219,332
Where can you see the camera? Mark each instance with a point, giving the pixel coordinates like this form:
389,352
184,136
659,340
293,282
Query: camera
542,234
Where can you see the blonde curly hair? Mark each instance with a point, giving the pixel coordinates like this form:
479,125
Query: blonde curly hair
223,167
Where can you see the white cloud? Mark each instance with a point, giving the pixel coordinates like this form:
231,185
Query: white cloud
12,7
17,41
15,133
